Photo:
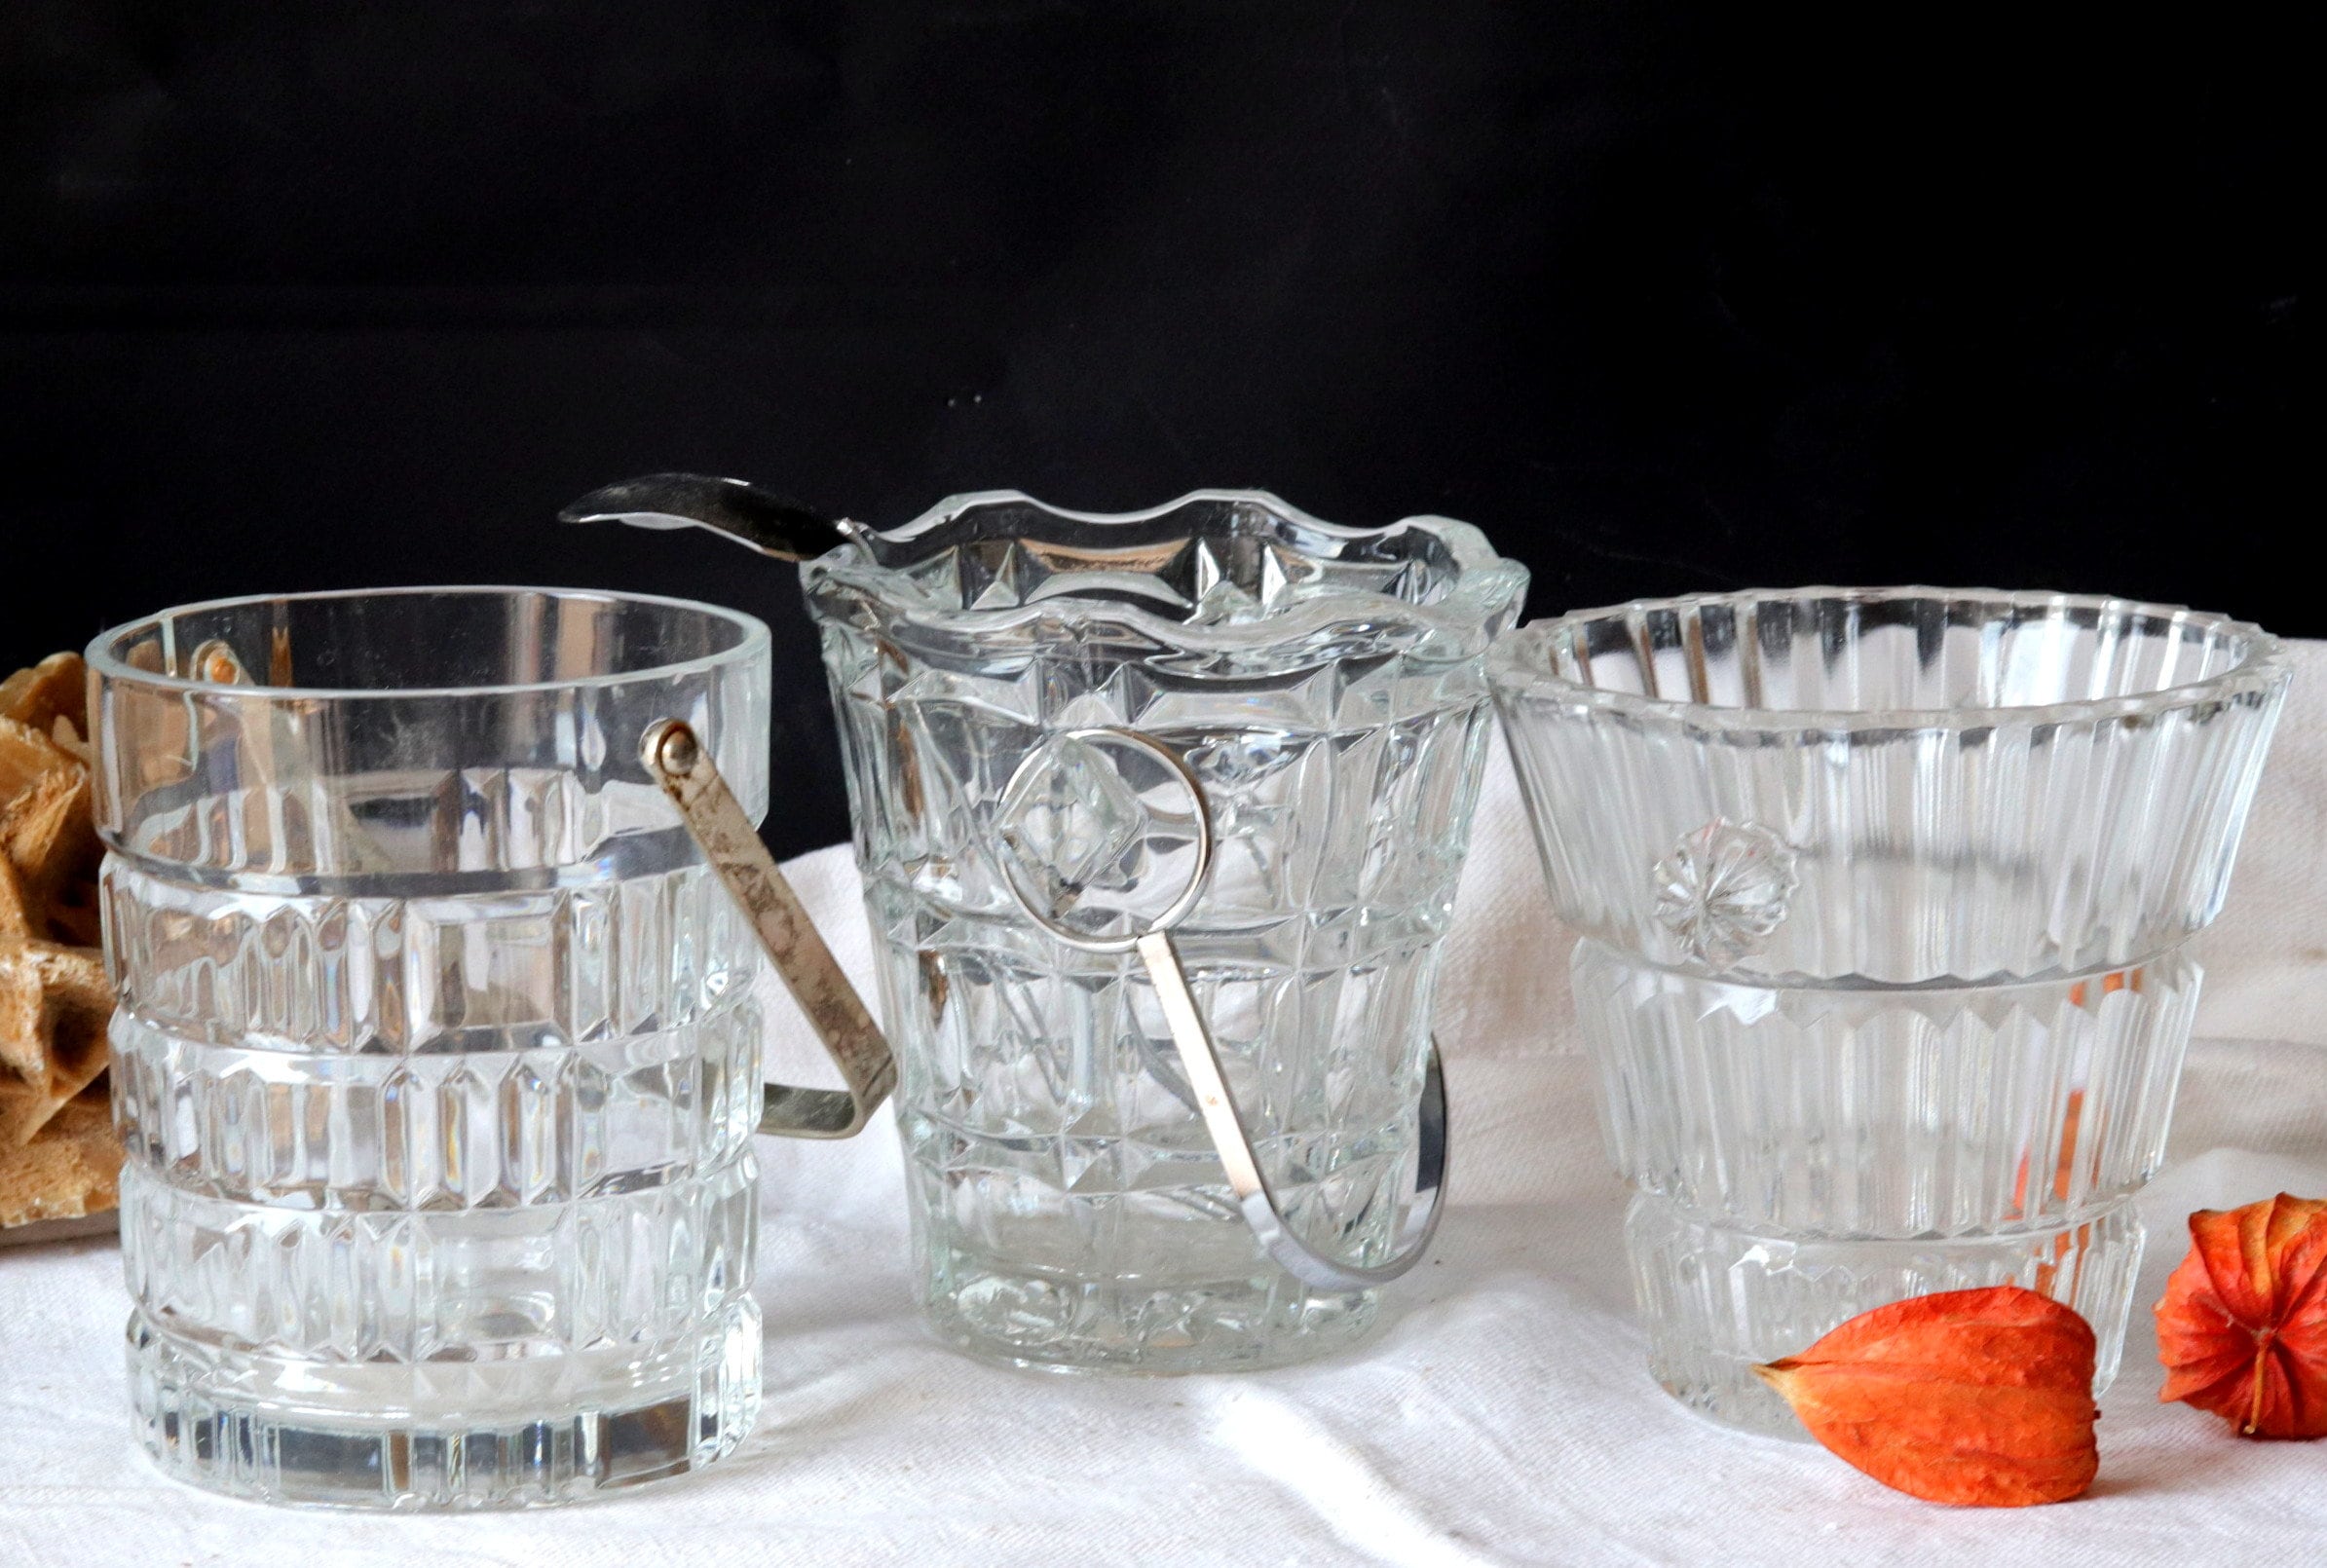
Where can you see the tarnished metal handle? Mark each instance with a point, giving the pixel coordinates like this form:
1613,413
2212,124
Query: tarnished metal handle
1231,1140
716,820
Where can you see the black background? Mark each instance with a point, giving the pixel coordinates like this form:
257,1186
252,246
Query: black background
323,295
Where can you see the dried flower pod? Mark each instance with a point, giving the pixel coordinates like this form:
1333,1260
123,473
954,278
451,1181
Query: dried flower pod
2242,1329
1973,1397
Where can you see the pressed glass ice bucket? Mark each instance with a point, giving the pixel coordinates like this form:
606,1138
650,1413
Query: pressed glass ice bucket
1324,685
1885,901
435,1061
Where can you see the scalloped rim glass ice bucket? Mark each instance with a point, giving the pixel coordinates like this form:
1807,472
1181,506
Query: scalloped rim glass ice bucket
1075,1203
1885,901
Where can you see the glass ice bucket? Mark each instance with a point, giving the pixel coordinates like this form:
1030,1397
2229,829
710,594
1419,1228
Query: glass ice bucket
436,1063
1160,818
1887,901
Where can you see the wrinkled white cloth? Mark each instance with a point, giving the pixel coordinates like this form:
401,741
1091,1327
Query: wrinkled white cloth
1504,1415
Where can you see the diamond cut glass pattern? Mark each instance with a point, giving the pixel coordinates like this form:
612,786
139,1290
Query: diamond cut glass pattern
436,1061
1886,900
1324,685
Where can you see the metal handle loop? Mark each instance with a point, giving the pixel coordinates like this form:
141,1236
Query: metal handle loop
1200,1061
716,821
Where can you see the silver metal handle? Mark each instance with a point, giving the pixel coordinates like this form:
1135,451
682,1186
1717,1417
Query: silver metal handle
716,821
1234,1144
1191,1037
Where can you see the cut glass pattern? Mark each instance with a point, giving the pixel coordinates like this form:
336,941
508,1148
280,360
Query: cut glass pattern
1901,1005
1324,685
437,1059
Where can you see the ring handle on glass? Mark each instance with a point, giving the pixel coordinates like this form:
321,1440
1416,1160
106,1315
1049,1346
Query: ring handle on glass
716,821
1200,1061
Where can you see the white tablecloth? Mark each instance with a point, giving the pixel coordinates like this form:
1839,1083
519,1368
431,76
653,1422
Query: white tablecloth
1504,1415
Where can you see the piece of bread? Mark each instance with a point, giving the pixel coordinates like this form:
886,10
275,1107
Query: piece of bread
51,847
71,1169
60,1161
54,1008
56,687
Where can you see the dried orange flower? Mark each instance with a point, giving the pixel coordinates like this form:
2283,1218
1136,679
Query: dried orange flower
2242,1329
1974,1396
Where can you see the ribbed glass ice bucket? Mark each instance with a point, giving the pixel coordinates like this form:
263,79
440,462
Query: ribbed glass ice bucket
1885,901
435,1061
1324,685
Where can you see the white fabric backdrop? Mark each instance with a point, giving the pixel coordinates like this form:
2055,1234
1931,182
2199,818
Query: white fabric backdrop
1504,1416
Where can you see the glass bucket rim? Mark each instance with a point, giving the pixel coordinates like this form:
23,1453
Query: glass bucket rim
1486,584
754,641
1517,665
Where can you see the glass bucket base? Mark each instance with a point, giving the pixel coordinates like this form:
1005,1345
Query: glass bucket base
238,1425
1048,1322
1719,1301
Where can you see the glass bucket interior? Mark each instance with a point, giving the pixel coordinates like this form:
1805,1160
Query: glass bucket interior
1324,685
1889,784
1215,571
1916,655
416,730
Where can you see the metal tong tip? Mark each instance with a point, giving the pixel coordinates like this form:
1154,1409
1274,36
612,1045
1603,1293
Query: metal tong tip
758,519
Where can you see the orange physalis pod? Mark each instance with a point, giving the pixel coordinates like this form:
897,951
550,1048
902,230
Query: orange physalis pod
1973,1397
2242,1329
